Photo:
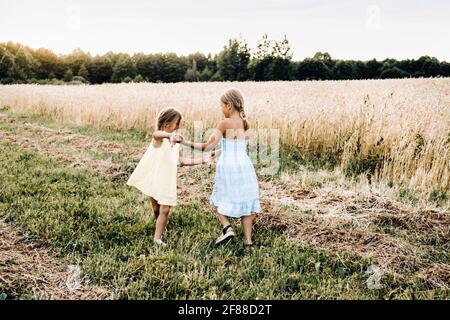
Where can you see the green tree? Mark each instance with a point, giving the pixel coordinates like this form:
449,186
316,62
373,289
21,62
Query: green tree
360,70
83,72
192,74
344,70
322,56
373,68
211,64
262,59
7,66
200,59
48,62
393,73
263,48
79,80
24,66
100,69
206,74
139,79
259,68
431,67
123,68
313,69
445,69
216,77
233,60
172,68
68,75
76,59
149,66
282,49
281,67
272,60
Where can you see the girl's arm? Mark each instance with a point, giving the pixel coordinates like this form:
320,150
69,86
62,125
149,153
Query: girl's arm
173,137
206,158
159,134
192,162
213,140
216,154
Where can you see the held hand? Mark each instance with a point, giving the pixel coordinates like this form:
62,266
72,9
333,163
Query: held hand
216,154
172,139
206,157
175,138
186,143
178,138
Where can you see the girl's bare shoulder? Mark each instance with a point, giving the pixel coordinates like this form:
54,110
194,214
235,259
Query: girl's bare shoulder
224,124
230,123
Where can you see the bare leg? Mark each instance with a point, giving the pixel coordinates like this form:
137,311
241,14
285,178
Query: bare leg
155,206
161,222
227,231
247,224
223,219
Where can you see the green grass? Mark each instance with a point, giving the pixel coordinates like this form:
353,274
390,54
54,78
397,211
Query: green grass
105,227
439,196
130,138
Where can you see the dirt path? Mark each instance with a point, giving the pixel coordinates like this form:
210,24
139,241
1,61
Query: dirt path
333,219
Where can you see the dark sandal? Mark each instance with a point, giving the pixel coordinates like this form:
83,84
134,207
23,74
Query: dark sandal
225,234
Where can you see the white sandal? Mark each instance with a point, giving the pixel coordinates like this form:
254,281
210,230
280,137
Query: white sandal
159,242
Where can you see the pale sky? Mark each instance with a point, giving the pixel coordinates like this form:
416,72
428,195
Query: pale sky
351,29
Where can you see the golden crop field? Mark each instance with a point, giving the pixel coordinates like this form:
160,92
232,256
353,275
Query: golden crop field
398,129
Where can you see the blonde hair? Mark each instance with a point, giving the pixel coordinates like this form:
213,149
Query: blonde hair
236,99
166,116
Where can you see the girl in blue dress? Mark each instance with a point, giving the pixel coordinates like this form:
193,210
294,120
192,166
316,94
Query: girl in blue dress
236,191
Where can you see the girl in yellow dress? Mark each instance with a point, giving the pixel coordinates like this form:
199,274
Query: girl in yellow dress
156,172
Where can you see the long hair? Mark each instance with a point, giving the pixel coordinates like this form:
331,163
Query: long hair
236,99
166,116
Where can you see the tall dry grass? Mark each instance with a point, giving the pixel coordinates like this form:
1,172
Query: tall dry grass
396,129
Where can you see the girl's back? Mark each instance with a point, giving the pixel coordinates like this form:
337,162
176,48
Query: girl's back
234,129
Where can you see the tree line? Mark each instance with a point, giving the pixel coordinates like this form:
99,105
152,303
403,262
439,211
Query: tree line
269,61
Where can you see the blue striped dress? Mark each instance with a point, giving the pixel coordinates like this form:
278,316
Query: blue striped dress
236,191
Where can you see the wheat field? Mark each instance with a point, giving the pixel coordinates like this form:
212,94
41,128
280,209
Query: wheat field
396,129
67,152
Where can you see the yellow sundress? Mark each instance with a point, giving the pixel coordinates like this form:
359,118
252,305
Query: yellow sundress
156,173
